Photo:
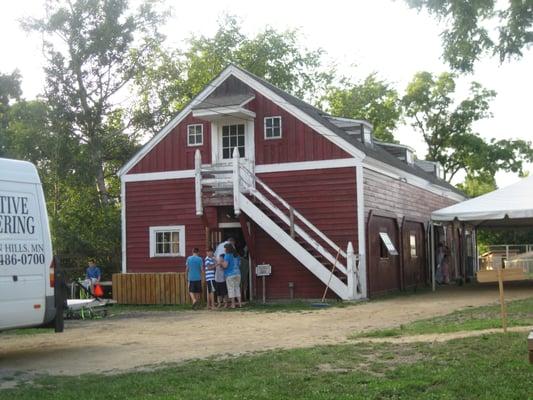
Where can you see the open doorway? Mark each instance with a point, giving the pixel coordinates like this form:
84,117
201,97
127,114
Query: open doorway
234,230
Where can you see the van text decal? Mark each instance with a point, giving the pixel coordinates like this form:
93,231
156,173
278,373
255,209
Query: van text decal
14,216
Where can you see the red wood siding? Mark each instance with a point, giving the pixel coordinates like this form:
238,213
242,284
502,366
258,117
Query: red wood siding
299,142
385,194
388,197
160,203
172,153
327,199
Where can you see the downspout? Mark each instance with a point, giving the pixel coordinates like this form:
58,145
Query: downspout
361,232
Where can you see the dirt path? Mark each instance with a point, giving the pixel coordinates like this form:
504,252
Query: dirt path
115,345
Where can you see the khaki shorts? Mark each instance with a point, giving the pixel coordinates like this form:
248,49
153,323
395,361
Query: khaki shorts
234,286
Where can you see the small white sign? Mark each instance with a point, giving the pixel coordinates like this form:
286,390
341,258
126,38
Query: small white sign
263,270
388,243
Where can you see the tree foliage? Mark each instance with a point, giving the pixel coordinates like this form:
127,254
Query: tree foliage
175,76
477,185
468,36
10,91
79,133
372,100
446,127
88,45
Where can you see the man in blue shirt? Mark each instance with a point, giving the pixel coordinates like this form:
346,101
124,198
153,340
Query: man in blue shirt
194,276
92,275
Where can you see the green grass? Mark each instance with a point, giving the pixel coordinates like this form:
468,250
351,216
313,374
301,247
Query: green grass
519,313
487,367
27,331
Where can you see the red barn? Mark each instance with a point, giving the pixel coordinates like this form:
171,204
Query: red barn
305,192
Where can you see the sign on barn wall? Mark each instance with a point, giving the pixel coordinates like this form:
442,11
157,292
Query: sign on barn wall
263,270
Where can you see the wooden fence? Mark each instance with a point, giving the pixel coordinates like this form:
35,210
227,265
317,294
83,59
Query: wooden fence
152,288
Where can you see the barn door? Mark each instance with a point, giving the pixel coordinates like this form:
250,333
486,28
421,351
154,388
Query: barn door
414,254
384,267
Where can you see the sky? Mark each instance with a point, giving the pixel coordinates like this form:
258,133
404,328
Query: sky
360,37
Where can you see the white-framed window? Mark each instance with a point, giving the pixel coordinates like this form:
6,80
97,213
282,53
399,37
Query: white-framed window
195,135
167,241
233,136
272,127
412,245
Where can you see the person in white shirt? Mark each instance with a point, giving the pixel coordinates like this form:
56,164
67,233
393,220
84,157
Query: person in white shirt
220,248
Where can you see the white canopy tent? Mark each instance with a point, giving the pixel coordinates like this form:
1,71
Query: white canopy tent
508,206
511,206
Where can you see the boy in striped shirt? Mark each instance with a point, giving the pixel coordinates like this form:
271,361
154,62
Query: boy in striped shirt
210,265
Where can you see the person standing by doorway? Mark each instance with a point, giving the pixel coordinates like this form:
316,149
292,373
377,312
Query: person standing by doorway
219,251
232,275
194,276
209,266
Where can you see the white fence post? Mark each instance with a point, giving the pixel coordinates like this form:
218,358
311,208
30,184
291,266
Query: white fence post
198,182
236,182
351,272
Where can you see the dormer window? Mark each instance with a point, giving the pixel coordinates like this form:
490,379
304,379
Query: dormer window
409,157
272,127
366,135
195,135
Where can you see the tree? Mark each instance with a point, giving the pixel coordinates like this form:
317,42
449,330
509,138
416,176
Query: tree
173,77
467,37
447,130
477,185
9,91
373,100
89,46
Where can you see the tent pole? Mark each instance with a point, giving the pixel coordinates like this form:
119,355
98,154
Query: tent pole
432,255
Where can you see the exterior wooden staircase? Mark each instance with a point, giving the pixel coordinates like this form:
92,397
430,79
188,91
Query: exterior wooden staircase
335,267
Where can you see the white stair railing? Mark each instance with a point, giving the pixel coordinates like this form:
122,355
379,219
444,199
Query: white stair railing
237,177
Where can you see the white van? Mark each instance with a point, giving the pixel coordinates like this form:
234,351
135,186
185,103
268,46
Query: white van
26,260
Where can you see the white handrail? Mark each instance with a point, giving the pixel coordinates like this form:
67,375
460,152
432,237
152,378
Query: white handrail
327,255
298,215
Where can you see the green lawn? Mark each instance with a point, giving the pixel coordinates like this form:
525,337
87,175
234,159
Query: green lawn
519,313
486,367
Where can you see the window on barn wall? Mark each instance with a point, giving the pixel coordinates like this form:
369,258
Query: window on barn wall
232,136
412,245
386,246
195,135
167,241
272,127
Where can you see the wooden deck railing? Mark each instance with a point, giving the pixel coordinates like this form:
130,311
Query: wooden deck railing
151,288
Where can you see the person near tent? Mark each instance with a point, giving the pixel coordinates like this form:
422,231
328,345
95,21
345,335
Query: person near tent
441,252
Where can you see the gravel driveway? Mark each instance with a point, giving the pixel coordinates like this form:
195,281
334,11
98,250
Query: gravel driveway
121,343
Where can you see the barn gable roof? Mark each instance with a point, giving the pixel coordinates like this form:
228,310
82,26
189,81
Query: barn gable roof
234,86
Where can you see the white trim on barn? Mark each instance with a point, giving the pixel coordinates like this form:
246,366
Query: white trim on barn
396,173
361,231
256,85
180,229
175,121
123,220
223,225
